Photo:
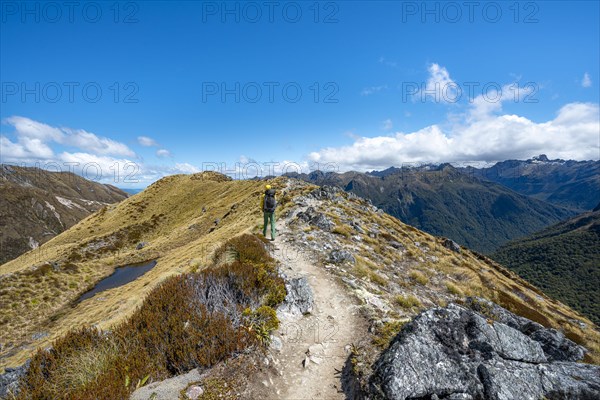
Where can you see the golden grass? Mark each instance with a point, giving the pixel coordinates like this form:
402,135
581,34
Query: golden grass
407,302
378,279
453,289
81,368
181,241
419,277
342,230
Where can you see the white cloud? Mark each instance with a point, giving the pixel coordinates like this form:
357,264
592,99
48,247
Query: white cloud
483,136
100,168
163,153
147,141
26,148
586,81
90,142
35,138
26,127
185,168
439,85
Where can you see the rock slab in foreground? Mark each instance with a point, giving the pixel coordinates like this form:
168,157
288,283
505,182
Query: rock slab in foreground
458,353
168,389
9,380
299,299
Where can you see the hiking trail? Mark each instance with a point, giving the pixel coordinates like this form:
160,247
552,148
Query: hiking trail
315,346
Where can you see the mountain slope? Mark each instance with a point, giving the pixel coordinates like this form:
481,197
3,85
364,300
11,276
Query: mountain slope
571,184
392,269
481,215
38,205
182,219
563,260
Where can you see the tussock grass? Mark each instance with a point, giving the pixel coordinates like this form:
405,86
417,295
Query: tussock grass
384,334
342,230
453,289
419,277
407,302
378,279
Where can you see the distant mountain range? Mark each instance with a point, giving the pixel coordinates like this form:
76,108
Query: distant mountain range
38,205
563,260
444,201
571,184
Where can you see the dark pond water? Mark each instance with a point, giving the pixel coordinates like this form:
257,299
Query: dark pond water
121,276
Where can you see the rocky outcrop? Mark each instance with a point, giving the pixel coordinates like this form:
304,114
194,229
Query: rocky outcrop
9,380
299,299
451,245
169,389
341,256
327,193
317,219
554,343
459,353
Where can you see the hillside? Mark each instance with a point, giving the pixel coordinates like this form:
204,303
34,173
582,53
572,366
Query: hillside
563,260
181,218
571,184
38,205
481,215
392,271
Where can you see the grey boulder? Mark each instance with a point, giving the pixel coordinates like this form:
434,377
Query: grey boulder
458,353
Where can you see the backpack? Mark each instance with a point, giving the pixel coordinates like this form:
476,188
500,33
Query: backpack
270,202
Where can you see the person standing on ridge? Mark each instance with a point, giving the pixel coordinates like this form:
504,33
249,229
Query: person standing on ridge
268,205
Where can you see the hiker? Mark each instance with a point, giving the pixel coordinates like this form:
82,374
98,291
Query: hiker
268,204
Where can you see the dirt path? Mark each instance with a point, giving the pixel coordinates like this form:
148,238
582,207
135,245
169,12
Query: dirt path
315,346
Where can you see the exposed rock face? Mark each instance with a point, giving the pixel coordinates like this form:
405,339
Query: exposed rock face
457,353
452,245
317,219
169,389
340,256
326,193
555,345
299,299
9,380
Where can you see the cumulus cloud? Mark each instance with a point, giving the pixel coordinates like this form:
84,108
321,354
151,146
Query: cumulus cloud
101,168
34,140
586,81
439,85
163,153
90,142
64,149
25,148
483,135
147,141
185,168
25,127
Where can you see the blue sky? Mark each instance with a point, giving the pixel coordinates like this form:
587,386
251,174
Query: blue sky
379,84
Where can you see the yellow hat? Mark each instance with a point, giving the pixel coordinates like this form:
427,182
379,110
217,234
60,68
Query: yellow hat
268,187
